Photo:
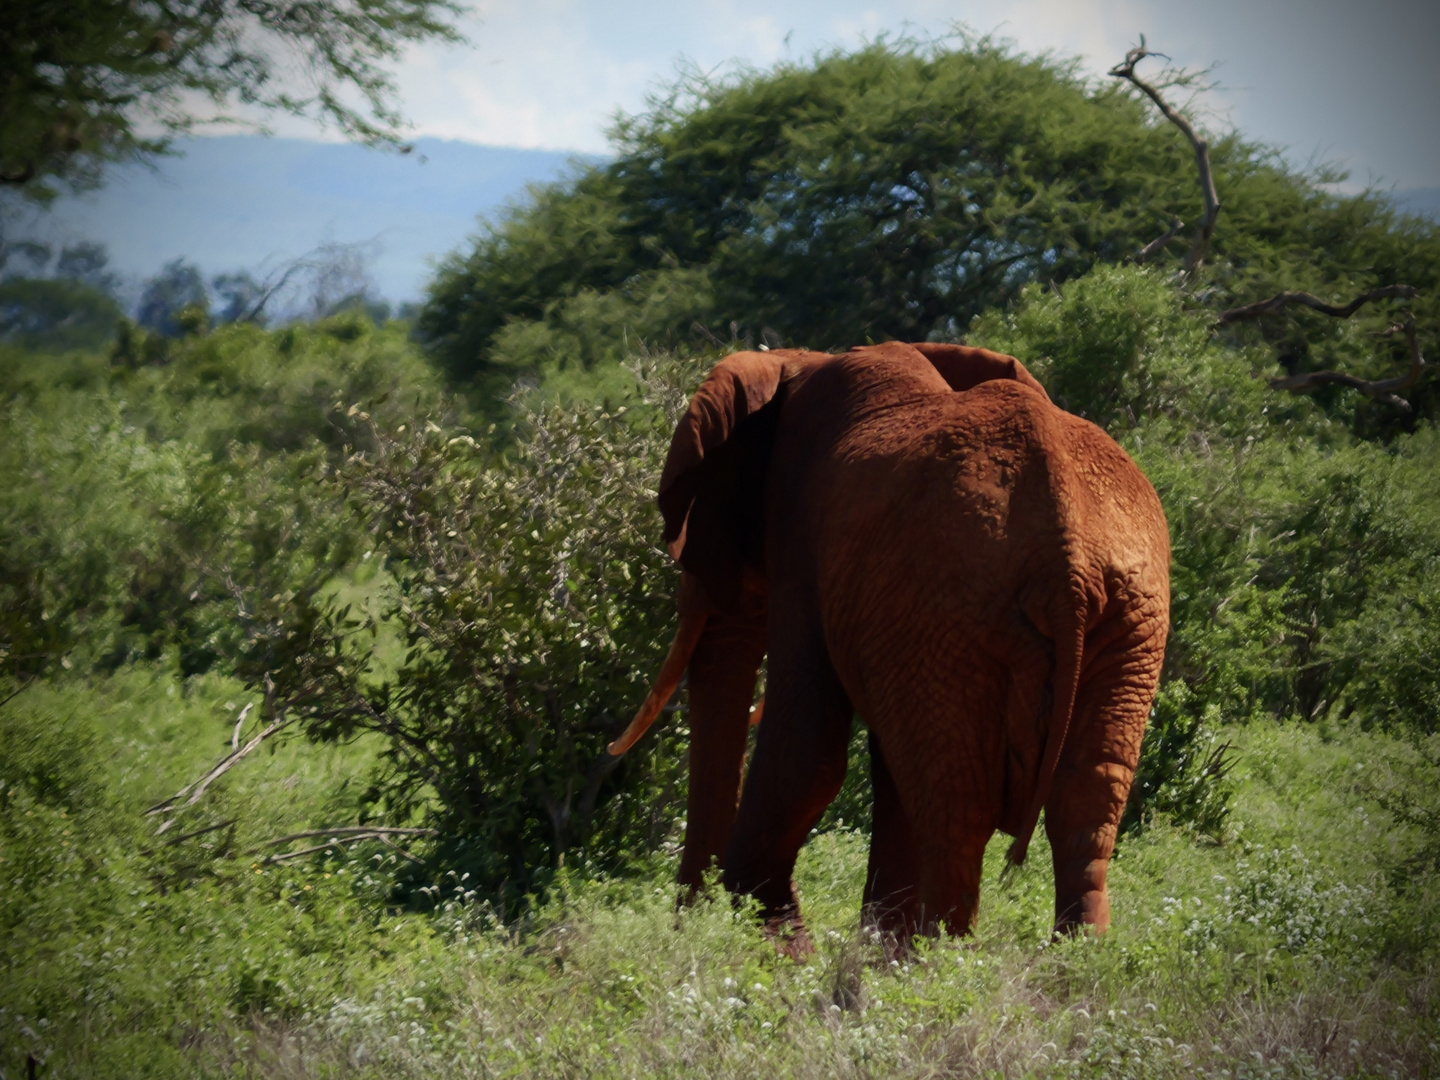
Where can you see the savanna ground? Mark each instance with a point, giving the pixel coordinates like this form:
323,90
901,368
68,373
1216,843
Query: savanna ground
1302,946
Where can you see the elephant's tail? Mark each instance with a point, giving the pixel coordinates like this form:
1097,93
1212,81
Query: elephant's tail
1067,624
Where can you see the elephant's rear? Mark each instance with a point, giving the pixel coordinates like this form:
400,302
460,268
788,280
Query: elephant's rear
1124,553
1027,631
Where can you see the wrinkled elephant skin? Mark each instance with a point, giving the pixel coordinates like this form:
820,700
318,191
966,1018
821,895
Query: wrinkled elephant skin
918,535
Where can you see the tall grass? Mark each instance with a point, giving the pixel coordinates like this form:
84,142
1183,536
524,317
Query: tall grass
1294,949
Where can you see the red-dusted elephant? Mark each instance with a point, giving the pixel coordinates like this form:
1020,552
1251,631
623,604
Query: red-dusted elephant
917,535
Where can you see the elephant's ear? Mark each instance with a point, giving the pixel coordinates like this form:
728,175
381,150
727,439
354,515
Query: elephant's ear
710,488
964,367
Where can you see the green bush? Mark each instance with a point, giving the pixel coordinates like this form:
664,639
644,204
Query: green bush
56,314
531,601
1302,556
127,495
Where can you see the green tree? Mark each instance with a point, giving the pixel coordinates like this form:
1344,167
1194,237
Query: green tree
82,80
896,192
178,286
56,313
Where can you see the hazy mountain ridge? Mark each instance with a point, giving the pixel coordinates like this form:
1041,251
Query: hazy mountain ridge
245,201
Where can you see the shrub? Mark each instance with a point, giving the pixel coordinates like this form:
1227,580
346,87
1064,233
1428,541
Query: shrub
530,602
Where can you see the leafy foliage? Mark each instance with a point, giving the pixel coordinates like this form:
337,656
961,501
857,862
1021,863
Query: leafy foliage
897,192
117,485
529,601
129,954
1290,537
174,300
85,79
55,313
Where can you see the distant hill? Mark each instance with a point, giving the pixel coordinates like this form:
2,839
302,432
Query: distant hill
1421,201
242,201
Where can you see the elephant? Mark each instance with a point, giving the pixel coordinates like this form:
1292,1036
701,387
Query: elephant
917,535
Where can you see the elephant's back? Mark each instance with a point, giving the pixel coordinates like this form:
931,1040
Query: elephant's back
983,505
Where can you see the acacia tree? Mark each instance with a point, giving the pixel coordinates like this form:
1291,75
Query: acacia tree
84,80
897,192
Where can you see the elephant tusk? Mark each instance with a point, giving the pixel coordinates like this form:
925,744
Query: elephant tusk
687,636
758,712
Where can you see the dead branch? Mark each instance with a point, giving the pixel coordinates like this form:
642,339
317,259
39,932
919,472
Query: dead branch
353,832
391,844
1159,243
197,788
1379,389
287,855
1201,244
17,691
192,835
1280,301
239,725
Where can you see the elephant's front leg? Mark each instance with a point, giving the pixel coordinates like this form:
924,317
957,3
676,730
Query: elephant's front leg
799,765
723,671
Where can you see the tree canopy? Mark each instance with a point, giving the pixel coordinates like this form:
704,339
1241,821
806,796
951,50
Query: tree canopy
91,82
893,192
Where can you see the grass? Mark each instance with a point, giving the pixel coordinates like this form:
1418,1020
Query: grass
1302,947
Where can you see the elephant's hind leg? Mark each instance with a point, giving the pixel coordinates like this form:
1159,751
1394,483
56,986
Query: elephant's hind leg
941,727
798,767
1097,765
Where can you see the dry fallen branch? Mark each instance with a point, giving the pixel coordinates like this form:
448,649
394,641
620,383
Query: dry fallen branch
240,726
348,834
1379,389
227,824
303,851
1201,244
196,788
353,832
1280,301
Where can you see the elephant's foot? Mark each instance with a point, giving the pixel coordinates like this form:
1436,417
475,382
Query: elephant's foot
780,916
1082,903
789,936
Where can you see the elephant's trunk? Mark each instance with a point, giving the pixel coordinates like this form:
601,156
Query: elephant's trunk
687,636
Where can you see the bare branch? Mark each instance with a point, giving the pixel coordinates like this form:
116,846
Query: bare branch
1378,389
1159,243
197,788
1201,244
239,725
198,832
339,837
1280,301
17,691
284,856
353,832
391,844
